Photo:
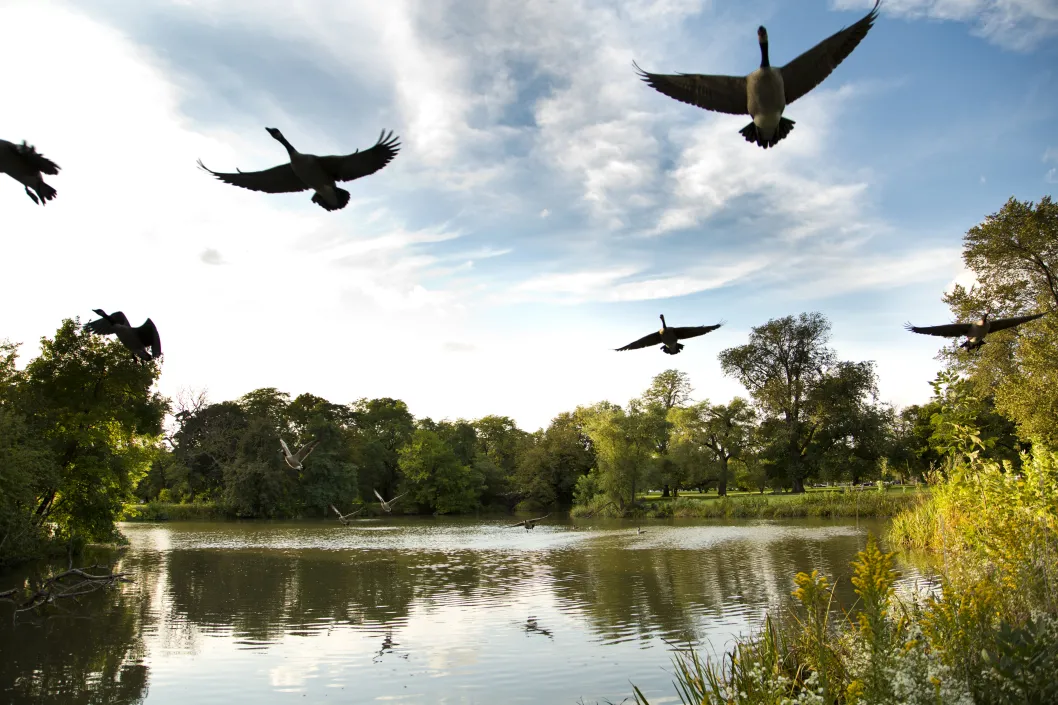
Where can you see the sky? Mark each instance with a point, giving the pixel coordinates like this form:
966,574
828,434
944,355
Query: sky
545,207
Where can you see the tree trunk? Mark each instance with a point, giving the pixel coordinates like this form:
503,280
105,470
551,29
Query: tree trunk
721,484
665,491
675,492
798,485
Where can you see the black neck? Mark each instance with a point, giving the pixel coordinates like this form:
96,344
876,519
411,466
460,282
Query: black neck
764,63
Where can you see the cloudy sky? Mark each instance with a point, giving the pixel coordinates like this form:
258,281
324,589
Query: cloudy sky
546,205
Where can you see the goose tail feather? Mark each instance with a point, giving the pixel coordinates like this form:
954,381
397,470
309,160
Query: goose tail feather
752,134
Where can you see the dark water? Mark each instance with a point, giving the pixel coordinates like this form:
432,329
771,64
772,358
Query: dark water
413,611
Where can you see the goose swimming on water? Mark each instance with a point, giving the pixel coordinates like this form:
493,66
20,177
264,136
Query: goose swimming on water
766,92
308,171
669,338
24,164
135,339
975,332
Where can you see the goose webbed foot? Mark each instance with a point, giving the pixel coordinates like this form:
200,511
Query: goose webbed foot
32,195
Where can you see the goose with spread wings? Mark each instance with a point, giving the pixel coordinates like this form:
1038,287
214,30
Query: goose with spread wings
295,460
668,338
138,340
975,332
388,506
344,518
765,93
310,172
24,164
529,524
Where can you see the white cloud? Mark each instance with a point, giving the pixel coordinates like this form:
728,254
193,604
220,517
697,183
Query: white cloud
1050,154
211,256
1051,176
1015,24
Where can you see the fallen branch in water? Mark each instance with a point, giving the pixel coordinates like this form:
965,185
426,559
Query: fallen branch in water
71,583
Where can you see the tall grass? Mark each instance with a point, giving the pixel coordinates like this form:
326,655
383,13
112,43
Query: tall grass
989,636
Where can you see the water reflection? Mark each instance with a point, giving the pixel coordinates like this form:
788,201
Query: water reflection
416,611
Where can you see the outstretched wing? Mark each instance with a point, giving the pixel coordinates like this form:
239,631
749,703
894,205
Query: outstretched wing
645,342
379,496
520,523
540,518
106,324
1004,323
358,164
810,68
36,160
693,331
306,449
278,179
148,335
397,497
286,451
949,330
723,94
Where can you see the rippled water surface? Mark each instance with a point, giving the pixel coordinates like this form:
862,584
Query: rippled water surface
414,610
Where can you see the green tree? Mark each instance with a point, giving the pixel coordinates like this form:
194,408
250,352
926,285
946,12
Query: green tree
381,428
1014,257
725,433
258,483
552,463
501,442
434,477
667,390
781,366
624,445
850,427
90,404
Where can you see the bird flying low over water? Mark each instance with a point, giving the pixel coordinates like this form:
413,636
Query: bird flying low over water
529,524
24,164
388,506
295,460
310,172
766,92
975,332
135,339
344,518
669,338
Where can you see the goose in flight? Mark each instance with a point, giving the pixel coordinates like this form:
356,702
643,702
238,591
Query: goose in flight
135,339
24,164
308,171
975,332
295,460
388,506
529,524
766,92
344,518
669,338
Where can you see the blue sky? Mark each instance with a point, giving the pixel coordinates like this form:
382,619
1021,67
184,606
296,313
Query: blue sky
546,205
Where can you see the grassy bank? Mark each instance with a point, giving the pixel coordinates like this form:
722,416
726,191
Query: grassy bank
990,635
830,503
171,511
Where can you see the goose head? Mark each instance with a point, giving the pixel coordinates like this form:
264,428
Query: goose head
762,39
278,136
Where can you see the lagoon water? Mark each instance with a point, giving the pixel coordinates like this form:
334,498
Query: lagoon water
416,610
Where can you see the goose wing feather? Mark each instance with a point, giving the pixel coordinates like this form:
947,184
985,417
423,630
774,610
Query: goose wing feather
35,159
949,330
645,342
148,335
1004,323
359,164
722,94
693,331
810,68
278,179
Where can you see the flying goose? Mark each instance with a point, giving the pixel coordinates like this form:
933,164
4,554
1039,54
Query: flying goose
766,92
344,518
388,506
529,524
135,339
308,171
669,337
975,332
24,164
295,460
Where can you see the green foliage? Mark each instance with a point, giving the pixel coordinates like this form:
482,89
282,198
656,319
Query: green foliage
434,477
1014,256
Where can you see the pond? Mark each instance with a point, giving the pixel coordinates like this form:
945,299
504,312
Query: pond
415,610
